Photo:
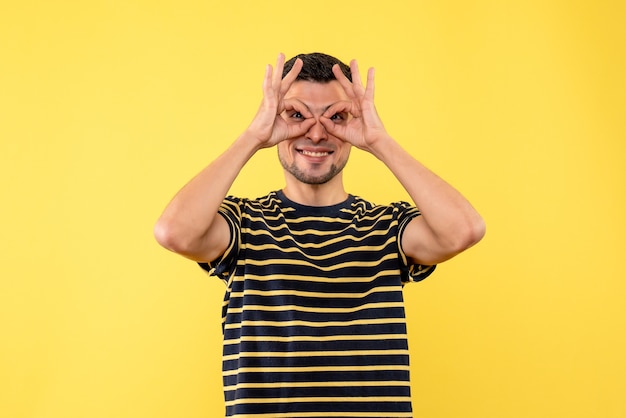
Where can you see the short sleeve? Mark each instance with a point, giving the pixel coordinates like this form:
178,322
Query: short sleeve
224,266
410,272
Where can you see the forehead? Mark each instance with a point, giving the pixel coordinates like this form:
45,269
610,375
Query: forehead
320,94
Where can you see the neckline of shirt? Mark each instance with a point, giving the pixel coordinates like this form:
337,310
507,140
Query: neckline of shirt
314,210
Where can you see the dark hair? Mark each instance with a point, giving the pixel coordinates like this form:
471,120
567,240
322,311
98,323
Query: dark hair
317,67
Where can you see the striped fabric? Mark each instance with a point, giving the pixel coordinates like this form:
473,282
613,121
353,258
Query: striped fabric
313,314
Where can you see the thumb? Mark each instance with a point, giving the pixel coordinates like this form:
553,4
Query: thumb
301,128
332,128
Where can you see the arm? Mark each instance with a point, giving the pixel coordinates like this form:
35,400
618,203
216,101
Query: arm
449,224
190,224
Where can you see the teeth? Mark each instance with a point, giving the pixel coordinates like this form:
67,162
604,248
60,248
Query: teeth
314,153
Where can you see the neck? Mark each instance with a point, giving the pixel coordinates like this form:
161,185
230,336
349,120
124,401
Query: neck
327,194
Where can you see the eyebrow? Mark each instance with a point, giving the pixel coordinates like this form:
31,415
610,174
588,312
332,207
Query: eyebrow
309,109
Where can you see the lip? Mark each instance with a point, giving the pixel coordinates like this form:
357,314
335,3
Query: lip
313,149
314,154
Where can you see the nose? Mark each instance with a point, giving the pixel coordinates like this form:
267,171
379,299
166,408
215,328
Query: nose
317,132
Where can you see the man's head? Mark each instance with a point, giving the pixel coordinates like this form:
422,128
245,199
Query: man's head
316,157
317,67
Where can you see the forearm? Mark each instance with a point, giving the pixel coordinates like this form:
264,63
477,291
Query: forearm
454,223
189,216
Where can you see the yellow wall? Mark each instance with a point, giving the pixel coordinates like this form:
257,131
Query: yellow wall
108,107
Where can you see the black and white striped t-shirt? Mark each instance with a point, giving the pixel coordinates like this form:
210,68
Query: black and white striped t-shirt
313,314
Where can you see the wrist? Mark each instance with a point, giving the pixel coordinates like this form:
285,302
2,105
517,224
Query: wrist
381,146
247,144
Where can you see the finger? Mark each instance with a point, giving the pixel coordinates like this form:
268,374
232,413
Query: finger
336,117
341,108
343,81
369,89
335,129
267,80
291,76
357,84
299,129
297,106
278,74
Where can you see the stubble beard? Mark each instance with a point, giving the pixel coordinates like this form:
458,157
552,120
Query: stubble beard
303,177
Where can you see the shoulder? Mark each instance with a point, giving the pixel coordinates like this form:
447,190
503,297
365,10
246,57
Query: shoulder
396,209
269,201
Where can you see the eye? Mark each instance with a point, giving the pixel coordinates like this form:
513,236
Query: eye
297,115
337,117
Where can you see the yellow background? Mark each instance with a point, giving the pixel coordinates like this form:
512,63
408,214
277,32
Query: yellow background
108,107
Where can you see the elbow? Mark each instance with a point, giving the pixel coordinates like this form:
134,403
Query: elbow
163,234
167,236
460,238
470,234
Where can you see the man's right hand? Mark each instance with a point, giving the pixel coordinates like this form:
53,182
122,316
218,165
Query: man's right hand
268,126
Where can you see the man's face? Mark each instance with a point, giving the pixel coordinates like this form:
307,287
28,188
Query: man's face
316,157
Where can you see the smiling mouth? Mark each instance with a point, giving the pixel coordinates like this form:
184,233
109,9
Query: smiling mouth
314,153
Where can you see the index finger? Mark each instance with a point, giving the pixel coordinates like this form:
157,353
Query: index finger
343,81
298,106
341,108
290,77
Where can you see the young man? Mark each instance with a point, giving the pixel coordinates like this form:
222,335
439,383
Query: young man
313,315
